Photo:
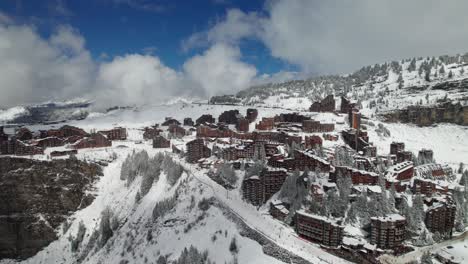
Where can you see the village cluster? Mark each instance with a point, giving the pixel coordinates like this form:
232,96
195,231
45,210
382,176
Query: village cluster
292,145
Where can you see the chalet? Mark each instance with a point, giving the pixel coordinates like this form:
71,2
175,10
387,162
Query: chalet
265,124
313,141
161,142
320,229
312,126
196,150
388,232
326,105
170,121
23,134
117,133
279,210
188,121
205,119
251,114
96,140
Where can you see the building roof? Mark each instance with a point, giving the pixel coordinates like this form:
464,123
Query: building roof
389,218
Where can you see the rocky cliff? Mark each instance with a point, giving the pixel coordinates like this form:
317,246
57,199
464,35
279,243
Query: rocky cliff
429,115
36,197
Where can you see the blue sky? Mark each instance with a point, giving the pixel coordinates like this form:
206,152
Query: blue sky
119,27
143,51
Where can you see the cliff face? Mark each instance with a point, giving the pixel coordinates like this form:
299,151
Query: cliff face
428,115
36,197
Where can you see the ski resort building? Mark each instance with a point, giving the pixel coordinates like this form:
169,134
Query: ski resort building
251,114
440,217
312,126
325,231
23,134
196,150
96,140
205,119
188,122
117,133
358,177
396,147
13,146
401,172
313,141
359,143
278,210
49,142
161,142
151,132
267,123
346,105
388,232
261,188
243,125
326,105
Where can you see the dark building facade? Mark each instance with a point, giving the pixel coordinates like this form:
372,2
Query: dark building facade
196,150
388,232
319,229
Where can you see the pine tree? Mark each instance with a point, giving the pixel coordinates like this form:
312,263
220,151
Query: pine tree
427,77
442,70
450,74
105,226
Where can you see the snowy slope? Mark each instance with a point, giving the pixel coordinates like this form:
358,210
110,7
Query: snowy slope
170,236
378,88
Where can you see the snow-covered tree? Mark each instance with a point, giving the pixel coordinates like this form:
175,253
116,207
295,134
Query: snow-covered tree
105,226
227,173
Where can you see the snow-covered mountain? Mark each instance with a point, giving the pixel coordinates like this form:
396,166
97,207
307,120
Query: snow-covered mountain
378,88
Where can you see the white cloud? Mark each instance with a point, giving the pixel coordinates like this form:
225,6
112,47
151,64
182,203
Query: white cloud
341,36
137,79
219,70
230,30
33,69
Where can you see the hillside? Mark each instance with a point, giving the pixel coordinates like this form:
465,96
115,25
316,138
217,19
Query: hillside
378,89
